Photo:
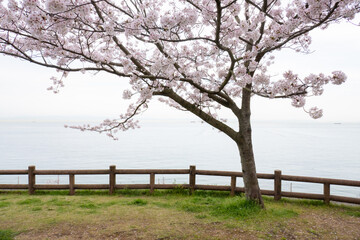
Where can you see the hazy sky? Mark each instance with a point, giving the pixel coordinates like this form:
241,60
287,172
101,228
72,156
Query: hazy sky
23,93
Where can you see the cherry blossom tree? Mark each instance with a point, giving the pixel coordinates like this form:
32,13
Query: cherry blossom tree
194,55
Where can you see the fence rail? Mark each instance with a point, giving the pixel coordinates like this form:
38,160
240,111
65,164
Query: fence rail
192,186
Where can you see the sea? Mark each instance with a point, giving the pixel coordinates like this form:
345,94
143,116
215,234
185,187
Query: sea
315,149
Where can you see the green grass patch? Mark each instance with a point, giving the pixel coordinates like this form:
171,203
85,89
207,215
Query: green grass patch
162,204
190,207
236,207
204,200
58,202
350,210
7,234
52,193
14,192
138,202
30,201
110,203
354,214
216,194
35,209
132,192
303,202
89,205
4,204
201,216
92,192
179,190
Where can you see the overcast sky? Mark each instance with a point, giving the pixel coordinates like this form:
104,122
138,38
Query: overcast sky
23,94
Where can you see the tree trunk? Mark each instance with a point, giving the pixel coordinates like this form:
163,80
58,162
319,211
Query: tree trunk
252,189
244,143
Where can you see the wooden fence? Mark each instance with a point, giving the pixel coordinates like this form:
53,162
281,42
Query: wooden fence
192,186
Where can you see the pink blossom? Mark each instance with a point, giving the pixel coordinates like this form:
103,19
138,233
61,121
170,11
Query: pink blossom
315,112
203,53
338,77
298,101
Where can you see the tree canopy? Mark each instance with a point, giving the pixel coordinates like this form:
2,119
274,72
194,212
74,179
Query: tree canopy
197,54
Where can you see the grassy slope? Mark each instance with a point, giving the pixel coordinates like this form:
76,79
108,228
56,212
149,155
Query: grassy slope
169,215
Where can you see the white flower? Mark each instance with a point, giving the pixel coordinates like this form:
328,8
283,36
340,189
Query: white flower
315,112
298,101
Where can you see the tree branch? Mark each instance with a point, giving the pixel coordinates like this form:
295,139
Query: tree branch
303,31
198,112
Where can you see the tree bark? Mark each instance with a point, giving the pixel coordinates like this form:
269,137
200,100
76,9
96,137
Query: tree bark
251,184
244,144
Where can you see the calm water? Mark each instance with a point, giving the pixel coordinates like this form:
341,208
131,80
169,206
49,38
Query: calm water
307,149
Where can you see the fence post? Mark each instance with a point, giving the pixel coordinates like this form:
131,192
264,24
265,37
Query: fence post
192,179
71,184
152,182
277,184
112,179
327,193
233,185
31,175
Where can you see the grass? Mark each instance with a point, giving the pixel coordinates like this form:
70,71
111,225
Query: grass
138,202
7,235
236,207
30,201
169,214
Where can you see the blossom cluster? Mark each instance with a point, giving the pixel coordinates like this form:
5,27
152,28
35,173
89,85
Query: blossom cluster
208,52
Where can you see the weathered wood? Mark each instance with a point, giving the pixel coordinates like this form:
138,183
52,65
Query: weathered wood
148,186
149,171
345,199
31,181
77,172
14,186
303,195
13,172
152,183
91,186
321,180
132,186
213,187
192,179
219,173
267,192
112,171
112,179
265,175
233,186
171,186
230,173
71,184
327,193
51,186
277,185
